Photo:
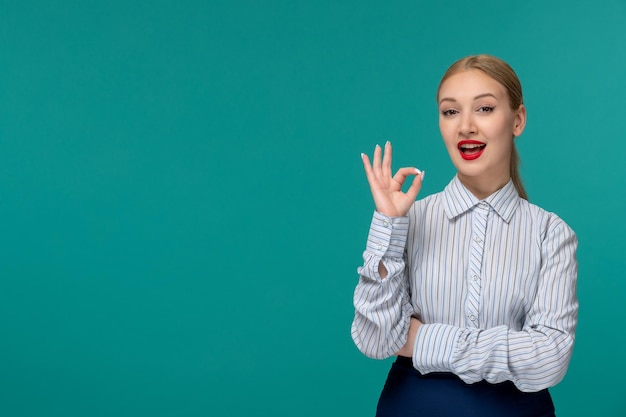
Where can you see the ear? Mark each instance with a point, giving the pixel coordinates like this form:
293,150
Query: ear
519,122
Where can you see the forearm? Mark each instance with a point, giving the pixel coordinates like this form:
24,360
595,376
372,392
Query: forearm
533,359
381,301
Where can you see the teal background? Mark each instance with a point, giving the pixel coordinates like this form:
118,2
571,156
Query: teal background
183,206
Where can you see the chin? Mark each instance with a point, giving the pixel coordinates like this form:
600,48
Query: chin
472,169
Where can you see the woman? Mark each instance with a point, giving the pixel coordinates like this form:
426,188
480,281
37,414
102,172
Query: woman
473,288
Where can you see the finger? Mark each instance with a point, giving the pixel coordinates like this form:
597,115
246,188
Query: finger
416,186
368,166
402,173
377,161
387,160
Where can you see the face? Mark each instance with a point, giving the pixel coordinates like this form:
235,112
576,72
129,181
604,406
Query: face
478,126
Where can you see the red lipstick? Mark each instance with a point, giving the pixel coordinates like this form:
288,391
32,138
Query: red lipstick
471,149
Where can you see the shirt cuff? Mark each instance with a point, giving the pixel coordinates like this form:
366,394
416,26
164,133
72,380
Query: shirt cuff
387,235
434,347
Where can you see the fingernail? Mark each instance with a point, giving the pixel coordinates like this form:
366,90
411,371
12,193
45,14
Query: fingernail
388,143
423,174
362,154
417,171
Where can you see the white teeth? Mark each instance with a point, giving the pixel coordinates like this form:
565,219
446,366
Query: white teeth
471,146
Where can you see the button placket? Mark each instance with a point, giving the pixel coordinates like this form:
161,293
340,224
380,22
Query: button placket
480,214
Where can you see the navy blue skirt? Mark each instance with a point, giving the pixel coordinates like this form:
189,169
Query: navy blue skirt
408,393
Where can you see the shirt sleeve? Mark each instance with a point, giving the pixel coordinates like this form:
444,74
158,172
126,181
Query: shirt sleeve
534,358
382,305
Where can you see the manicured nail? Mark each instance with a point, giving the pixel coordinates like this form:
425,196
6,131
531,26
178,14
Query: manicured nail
423,175
417,171
388,143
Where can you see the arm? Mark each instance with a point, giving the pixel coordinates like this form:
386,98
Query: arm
534,358
381,299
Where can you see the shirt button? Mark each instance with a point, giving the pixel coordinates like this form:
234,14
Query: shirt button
385,223
477,239
472,317
380,246
475,277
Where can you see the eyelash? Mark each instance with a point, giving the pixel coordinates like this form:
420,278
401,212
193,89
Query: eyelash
481,109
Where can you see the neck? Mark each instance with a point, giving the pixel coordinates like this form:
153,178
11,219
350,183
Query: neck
482,188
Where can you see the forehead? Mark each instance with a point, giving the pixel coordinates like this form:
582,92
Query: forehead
469,84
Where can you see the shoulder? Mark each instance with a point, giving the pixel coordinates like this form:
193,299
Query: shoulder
547,223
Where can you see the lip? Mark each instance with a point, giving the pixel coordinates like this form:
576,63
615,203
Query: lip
472,156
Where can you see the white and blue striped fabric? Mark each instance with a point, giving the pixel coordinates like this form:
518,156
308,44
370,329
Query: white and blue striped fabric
493,281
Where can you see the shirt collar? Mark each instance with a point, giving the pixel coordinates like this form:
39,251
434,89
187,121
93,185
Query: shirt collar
458,200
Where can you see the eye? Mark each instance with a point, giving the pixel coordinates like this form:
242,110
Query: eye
485,109
449,112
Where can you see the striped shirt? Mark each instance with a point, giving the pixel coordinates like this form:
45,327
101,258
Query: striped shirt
493,281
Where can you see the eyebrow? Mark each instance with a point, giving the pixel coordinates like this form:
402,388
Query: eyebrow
475,98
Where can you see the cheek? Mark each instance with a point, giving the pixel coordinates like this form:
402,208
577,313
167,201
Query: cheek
501,130
447,131
449,140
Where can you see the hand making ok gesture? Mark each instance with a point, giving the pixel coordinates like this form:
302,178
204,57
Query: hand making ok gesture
389,198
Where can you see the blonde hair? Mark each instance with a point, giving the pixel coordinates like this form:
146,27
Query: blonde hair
503,73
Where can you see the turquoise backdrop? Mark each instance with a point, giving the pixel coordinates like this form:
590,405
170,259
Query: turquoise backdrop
183,206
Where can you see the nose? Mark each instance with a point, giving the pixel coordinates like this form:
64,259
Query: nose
467,127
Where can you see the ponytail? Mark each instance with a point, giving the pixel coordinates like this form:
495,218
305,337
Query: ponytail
515,175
